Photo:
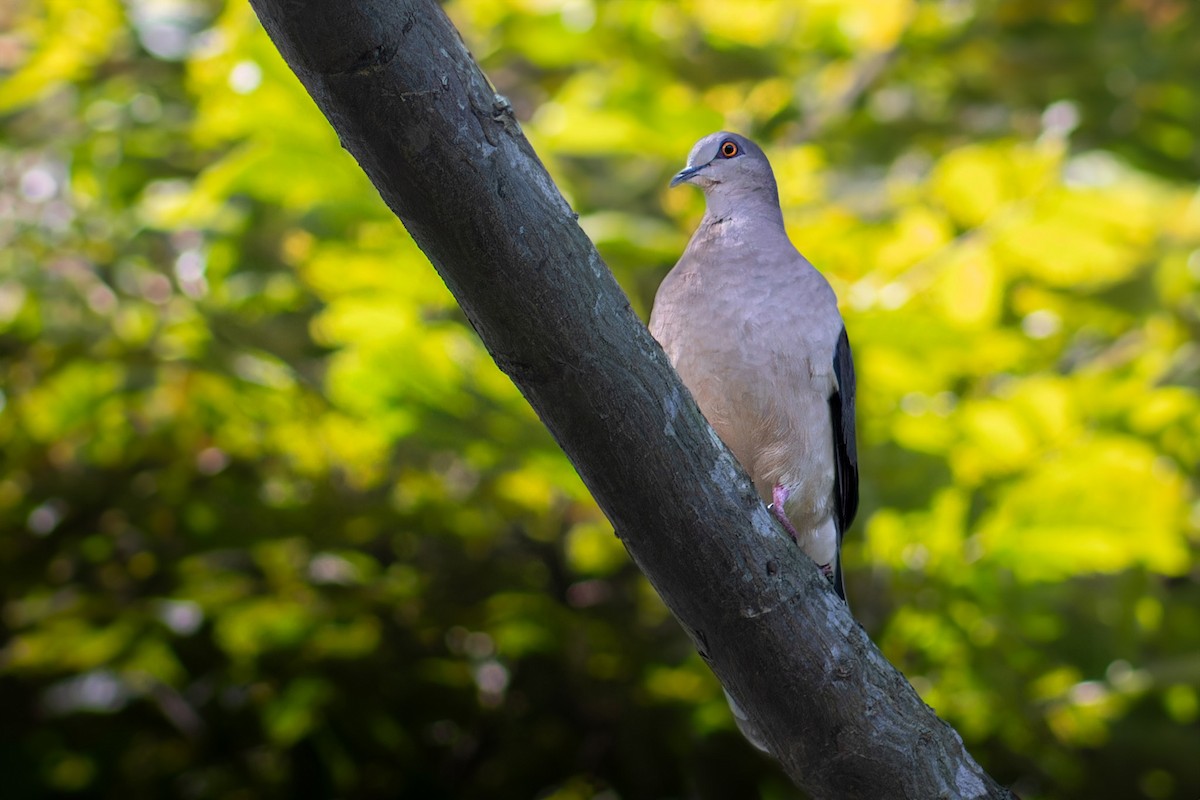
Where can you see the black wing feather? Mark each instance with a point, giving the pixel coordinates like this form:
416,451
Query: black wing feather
845,449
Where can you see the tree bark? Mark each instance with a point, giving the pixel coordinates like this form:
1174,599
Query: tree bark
408,101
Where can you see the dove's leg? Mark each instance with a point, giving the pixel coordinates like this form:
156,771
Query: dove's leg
779,496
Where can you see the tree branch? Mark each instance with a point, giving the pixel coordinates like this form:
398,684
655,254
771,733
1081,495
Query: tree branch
408,101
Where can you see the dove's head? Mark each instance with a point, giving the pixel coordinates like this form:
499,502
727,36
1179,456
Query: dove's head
731,170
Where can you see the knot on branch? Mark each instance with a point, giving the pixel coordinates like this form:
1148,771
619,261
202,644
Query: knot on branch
371,60
502,112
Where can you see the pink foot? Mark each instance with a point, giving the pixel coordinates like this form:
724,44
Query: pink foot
779,496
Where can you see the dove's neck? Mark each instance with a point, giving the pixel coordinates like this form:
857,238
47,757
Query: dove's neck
755,208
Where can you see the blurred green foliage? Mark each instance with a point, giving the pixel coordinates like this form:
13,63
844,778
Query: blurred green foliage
273,525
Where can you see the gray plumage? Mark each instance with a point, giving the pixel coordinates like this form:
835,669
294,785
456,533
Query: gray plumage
754,332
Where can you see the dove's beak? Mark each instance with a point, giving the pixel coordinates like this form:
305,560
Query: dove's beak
686,174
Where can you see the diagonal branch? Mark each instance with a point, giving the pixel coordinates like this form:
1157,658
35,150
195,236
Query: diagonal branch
408,101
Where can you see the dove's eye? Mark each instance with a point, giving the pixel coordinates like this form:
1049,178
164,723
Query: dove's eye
729,149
